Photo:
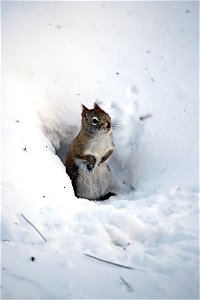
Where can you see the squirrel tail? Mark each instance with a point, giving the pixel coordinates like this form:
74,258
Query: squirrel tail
106,196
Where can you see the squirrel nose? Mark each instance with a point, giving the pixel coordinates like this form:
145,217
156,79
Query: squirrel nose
108,125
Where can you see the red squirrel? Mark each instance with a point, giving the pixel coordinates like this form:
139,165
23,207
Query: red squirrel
86,162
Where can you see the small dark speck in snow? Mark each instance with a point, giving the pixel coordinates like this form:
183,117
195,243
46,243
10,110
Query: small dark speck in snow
152,79
58,26
144,117
117,73
64,187
25,149
43,196
128,244
50,24
17,121
32,258
148,51
187,11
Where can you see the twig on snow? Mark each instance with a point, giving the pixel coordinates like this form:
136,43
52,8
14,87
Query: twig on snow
147,116
34,227
128,286
112,263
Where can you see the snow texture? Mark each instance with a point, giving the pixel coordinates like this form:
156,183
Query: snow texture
139,61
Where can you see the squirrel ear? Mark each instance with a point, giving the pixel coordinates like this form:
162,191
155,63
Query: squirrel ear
84,109
97,107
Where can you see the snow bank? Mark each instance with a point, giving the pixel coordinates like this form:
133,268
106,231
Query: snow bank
139,61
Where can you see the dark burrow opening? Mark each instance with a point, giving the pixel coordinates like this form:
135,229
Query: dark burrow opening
62,151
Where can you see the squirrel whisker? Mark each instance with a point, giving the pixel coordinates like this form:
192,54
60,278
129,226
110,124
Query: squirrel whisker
116,125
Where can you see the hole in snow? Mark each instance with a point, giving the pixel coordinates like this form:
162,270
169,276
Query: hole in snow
62,141
60,138
62,150
59,121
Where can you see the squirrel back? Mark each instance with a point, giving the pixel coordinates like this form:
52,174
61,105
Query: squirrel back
86,162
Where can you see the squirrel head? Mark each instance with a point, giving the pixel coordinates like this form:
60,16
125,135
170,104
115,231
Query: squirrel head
95,120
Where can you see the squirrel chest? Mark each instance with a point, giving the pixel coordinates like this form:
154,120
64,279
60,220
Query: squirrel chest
99,146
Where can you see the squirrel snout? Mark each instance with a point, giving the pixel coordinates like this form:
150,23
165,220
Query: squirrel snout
108,125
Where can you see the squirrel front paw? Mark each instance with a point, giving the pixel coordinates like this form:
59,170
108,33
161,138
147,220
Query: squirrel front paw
90,167
106,156
88,160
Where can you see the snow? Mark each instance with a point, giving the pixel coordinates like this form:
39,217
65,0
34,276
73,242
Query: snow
139,61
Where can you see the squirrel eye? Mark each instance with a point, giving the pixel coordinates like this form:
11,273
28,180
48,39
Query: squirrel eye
95,121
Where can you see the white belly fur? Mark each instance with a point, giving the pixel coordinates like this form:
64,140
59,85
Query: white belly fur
93,184
99,146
